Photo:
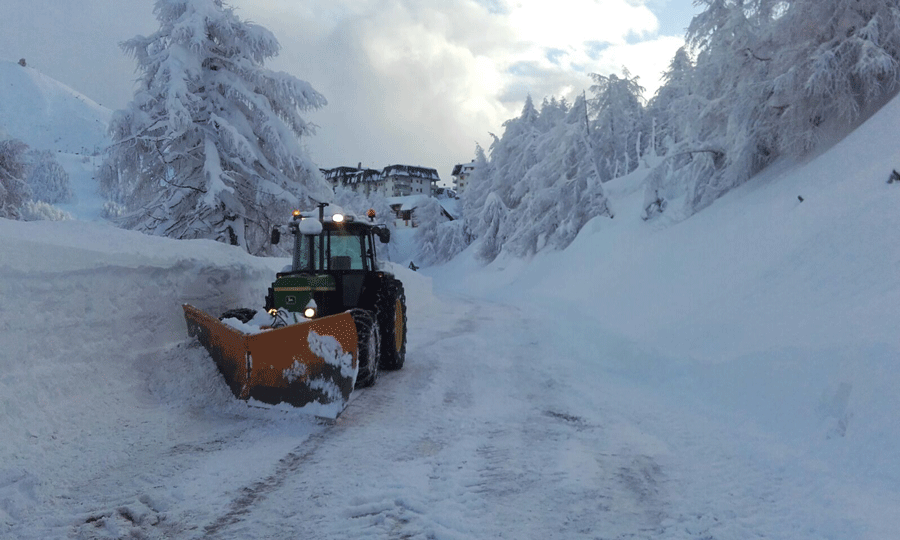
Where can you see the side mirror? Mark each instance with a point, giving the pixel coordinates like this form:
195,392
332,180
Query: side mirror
384,234
276,235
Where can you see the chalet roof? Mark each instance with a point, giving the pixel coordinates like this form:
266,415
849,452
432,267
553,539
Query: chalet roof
463,168
351,175
411,171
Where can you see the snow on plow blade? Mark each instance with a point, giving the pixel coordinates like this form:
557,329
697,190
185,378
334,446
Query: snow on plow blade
311,365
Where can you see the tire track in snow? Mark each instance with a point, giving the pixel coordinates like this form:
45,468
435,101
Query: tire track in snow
249,496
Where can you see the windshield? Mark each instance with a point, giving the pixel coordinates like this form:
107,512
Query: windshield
342,250
346,251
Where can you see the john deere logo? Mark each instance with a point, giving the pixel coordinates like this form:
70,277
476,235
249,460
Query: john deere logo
290,300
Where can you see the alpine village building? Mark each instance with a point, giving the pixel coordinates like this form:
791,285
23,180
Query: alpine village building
392,181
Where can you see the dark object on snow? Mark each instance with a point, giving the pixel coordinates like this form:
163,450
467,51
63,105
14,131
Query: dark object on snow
22,62
799,198
895,177
412,266
655,208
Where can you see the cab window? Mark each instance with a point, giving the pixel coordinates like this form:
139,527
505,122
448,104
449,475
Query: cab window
346,251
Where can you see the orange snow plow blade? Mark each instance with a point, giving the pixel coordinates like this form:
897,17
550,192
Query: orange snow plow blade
298,364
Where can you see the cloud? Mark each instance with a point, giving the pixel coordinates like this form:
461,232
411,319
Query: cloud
421,82
648,59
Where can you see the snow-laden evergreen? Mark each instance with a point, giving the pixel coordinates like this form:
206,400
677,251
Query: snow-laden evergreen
769,79
564,189
759,80
48,180
14,191
43,211
429,218
542,183
210,146
619,123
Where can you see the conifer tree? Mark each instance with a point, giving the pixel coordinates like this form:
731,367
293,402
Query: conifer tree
769,77
673,103
209,147
14,192
618,124
47,179
565,189
843,56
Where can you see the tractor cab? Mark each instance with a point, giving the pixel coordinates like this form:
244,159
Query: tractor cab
334,266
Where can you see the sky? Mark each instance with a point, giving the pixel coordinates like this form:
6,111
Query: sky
416,82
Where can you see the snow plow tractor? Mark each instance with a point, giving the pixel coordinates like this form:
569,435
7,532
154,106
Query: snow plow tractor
332,319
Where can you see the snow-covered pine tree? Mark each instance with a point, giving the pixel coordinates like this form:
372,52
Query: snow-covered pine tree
429,217
674,103
565,189
479,186
618,126
48,181
492,224
553,112
730,131
841,57
514,153
453,237
210,145
14,192
769,77
502,177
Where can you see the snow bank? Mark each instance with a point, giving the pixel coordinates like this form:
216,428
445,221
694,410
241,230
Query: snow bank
95,351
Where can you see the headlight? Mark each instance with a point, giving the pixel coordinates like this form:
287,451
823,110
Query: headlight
310,310
337,218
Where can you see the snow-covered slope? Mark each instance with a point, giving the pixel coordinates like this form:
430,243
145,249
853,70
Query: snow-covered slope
48,115
730,376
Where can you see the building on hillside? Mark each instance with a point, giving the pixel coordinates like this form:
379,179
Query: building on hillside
461,175
401,180
356,179
392,181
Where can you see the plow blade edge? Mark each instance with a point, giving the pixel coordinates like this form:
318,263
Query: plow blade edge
309,363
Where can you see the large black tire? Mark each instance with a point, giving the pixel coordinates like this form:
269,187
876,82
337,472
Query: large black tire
390,310
368,344
242,314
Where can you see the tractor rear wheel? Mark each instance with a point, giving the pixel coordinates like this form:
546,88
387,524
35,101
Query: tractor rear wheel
391,313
